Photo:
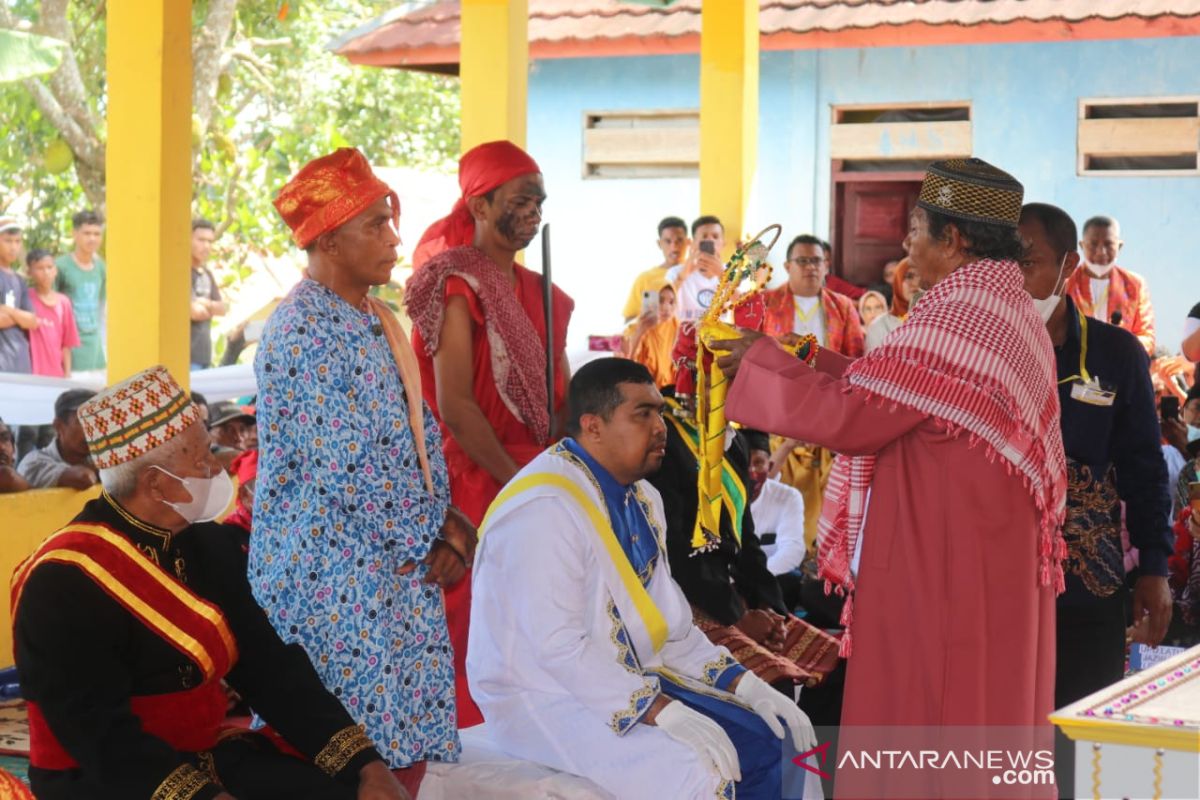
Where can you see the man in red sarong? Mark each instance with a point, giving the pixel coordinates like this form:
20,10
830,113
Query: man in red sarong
943,512
479,330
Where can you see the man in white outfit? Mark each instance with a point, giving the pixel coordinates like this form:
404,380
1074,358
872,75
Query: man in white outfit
583,655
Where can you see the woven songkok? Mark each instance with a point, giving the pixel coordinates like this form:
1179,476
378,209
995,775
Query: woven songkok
973,190
134,417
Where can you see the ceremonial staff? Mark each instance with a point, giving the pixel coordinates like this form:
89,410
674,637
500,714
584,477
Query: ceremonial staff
548,313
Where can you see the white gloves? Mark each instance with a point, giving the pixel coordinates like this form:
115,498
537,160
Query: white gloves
706,737
773,706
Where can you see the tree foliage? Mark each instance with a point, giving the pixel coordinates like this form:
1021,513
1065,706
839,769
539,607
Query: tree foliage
268,96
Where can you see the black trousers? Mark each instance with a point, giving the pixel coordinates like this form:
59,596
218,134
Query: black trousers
1090,656
249,767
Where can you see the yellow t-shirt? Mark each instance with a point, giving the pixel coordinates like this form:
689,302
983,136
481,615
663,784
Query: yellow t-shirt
652,280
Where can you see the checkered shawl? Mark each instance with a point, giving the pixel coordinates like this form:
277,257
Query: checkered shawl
975,355
518,359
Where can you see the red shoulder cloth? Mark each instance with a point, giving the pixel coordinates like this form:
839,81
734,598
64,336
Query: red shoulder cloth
187,720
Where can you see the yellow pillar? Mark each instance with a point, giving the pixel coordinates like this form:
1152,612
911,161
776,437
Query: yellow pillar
149,185
728,110
494,67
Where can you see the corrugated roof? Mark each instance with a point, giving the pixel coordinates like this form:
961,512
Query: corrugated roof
436,26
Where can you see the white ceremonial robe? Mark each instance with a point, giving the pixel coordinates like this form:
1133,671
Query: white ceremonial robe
549,660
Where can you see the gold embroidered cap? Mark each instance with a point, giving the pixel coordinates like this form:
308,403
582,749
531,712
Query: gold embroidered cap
330,191
135,416
972,189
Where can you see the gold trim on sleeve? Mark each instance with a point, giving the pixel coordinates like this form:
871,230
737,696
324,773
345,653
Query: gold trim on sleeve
184,782
341,748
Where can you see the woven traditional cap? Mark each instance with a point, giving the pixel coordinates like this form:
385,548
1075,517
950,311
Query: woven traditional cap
9,223
134,417
972,189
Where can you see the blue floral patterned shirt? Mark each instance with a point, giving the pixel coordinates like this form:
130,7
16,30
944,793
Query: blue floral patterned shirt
340,506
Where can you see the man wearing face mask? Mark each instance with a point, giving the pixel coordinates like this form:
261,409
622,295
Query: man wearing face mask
1107,292
1111,437
128,620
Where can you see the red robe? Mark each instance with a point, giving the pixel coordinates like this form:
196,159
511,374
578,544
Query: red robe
949,623
472,489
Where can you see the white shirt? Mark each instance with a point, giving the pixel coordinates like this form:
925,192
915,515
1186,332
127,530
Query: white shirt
1100,298
809,317
779,509
693,294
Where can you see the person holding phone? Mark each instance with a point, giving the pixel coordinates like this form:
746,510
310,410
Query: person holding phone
652,341
696,279
673,243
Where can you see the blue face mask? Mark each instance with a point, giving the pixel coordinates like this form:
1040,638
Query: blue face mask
1193,433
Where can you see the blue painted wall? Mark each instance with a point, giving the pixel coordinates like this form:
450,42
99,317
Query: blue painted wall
1025,103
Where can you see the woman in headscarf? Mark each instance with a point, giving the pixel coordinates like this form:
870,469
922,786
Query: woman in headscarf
905,285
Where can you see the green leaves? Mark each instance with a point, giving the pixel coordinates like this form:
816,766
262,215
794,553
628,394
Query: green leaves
27,55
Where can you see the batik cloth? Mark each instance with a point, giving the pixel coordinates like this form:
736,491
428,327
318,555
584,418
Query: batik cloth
341,505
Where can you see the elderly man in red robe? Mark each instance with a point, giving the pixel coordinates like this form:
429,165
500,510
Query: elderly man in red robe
480,330
943,513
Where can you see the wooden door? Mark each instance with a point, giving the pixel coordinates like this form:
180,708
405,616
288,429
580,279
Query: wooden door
870,221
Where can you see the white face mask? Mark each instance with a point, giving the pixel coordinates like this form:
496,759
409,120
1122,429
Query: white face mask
1045,306
210,496
1099,270
1193,433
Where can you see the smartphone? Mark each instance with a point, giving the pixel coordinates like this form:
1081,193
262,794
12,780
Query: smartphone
1168,408
649,302
605,344
708,246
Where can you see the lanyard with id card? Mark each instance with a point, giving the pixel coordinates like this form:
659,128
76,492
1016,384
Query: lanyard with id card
1084,387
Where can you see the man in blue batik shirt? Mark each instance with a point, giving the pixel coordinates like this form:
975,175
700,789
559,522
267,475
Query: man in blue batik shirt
353,532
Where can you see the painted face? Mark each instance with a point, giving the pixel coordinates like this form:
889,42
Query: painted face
673,243
514,215
807,269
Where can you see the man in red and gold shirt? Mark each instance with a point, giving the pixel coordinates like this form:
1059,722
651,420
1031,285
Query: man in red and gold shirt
804,305
1104,291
